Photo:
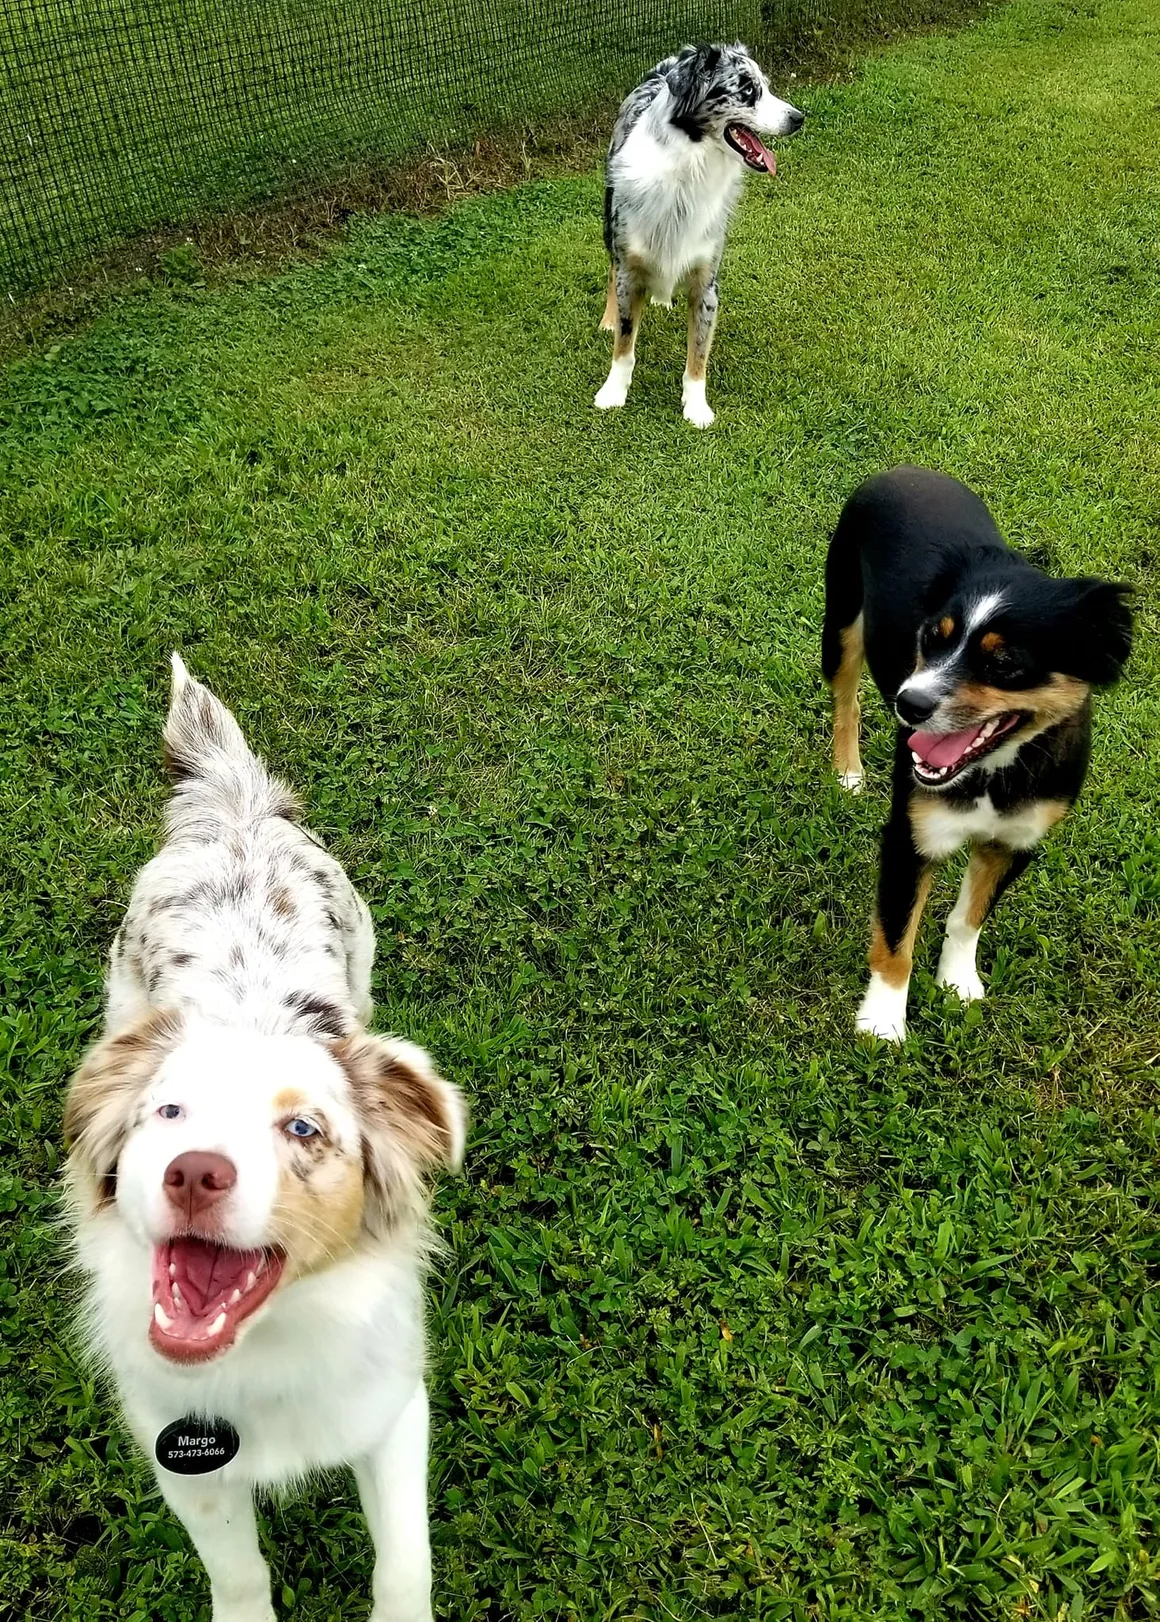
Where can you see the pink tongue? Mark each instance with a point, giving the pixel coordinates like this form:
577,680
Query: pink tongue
754,147
943,748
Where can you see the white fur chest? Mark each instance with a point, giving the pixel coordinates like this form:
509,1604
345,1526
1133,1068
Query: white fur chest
673,203
941,829
317,1380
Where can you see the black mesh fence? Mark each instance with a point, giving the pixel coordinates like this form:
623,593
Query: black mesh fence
121,116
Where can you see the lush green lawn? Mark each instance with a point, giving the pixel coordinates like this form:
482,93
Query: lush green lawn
738,1319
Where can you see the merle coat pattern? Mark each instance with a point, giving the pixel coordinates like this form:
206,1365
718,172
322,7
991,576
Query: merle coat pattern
680,147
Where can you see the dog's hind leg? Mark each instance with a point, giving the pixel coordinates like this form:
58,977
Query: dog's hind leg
847,709
392,1483
703,301
608,319
630,291
843,652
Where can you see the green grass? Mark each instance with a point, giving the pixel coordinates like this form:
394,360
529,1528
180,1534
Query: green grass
739,1319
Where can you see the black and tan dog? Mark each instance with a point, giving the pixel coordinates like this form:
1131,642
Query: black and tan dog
988,663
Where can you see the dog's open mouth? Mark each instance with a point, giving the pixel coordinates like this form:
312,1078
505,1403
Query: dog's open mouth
747,146
203,1293
937,757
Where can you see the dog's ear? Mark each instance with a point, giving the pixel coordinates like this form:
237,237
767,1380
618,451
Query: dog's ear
102,1096
686,81
413,1122
1097,636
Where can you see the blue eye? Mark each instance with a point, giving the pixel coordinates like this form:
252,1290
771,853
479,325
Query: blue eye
300,1127
171,1112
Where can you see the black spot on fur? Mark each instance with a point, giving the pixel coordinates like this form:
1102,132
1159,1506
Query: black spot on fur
323,1016
181,960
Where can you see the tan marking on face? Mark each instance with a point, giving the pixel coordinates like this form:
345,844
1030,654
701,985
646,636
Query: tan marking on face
895,965
290,1102
847,709
1052,701
991,641
946,627
318,1214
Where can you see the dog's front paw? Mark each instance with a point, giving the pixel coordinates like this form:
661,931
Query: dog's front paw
882,1011
698,411
958,972
852,782
614,393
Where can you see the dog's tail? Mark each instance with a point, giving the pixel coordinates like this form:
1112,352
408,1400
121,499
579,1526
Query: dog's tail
218,782
843,593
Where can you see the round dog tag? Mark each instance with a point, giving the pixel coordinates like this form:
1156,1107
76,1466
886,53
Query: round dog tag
194,1447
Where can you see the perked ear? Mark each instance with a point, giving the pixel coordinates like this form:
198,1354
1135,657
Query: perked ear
686,82
102,1096
1099,630
413,1123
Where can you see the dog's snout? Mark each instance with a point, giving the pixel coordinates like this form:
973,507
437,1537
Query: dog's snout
795,120
198,1179
915,708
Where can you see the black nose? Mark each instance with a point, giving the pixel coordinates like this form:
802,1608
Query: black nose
914,707
796,120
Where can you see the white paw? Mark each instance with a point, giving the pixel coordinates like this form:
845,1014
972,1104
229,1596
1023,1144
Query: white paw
852,782
699,412
956,969
882,1011
965,983
662,303
614,393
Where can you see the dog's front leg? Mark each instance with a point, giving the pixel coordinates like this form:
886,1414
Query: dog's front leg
991,869
903,886
219,1517
629,304
703,302
392,1483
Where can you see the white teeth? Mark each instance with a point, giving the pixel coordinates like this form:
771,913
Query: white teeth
251,1279
178,1298
173,1269
218,1324
161,1317
237,1296
914,755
